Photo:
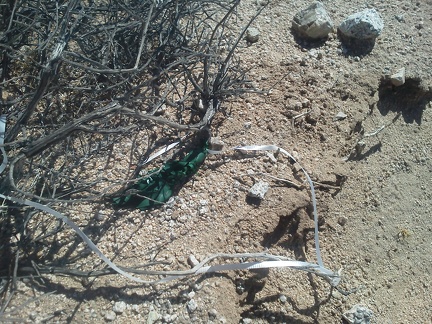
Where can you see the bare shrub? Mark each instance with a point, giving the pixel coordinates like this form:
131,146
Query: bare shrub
87,84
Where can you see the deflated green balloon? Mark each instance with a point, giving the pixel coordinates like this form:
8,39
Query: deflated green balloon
157,188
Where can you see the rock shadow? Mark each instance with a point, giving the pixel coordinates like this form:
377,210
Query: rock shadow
409,99
307,43
355,47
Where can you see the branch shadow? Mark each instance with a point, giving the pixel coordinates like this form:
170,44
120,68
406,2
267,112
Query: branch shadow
290,233
288,227
313,311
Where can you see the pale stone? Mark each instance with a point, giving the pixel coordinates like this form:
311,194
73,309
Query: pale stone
398,78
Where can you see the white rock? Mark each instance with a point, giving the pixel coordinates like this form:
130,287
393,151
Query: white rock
258,190
363,25
313,22
398,78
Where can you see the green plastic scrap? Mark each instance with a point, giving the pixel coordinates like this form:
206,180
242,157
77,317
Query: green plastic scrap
158,187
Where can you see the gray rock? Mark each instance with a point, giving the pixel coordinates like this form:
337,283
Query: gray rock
110,316
398,78
358,314
252,35
313,22
258,190
119,307
363,25
283,299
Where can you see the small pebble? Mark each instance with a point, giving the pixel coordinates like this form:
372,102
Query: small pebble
258,190
340,116
212,313
192,305
119,307
192,261
110,316
216,144
400,18
342,220
152,317
99,216
252,35
398,78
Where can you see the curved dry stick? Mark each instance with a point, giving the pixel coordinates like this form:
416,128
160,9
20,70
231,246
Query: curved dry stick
43,143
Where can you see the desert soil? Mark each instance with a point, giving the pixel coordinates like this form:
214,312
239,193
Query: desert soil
376,228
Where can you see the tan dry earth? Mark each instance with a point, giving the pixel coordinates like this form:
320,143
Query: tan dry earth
377,228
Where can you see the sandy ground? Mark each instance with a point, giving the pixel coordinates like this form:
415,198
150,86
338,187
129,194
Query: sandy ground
376,229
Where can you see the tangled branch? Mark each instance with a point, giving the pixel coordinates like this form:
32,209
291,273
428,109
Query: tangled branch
82,81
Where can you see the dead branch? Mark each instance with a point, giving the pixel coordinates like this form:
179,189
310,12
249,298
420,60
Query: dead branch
60,61
45,142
